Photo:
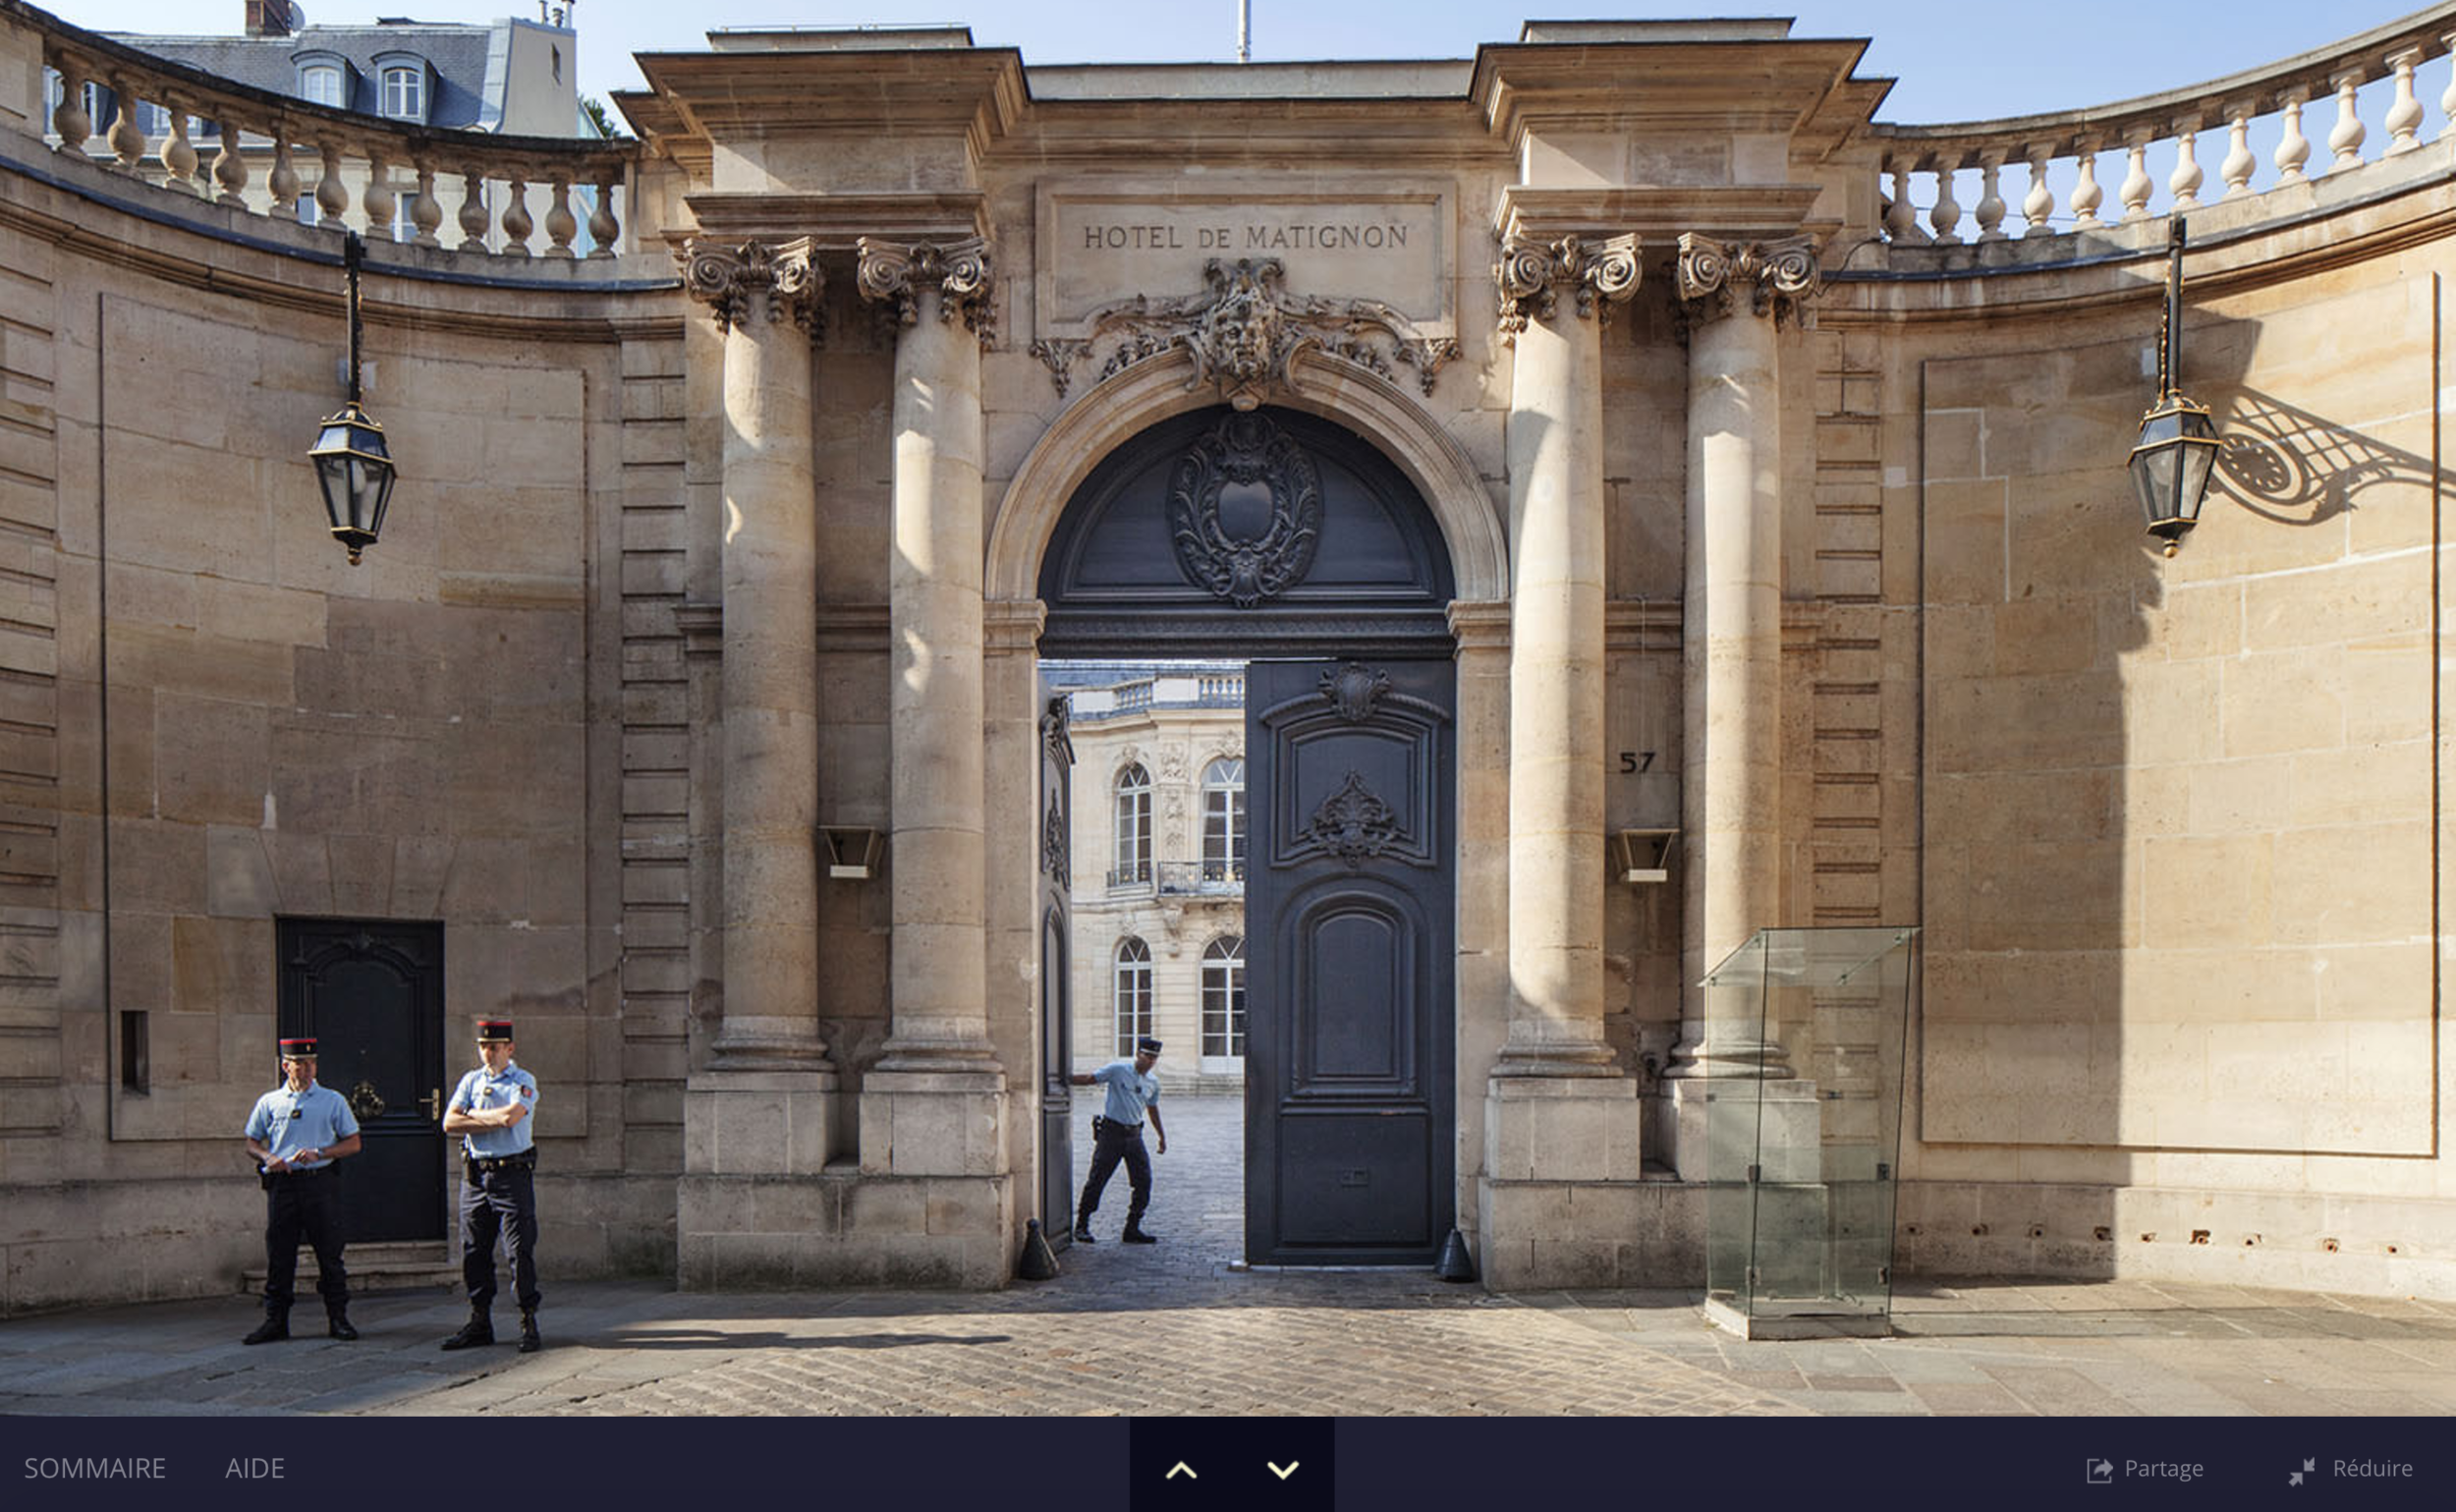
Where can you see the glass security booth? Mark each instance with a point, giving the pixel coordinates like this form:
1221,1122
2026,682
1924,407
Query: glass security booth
1805,1038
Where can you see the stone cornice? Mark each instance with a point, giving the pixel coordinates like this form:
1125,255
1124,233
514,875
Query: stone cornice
1600,273
976,92
838,222
1741,212
1011,625
895,272
739,281
1678,86
1778,278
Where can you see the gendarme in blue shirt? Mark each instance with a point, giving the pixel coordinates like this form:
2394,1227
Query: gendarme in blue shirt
287,1122
483,1091
1130,1091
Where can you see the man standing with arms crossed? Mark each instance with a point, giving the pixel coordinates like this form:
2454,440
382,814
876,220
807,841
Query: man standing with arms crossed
490,1110
296,1132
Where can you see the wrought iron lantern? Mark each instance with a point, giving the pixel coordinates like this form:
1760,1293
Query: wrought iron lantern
2178,443
351,465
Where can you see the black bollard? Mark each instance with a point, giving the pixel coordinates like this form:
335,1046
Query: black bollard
1455,1264
1036,1262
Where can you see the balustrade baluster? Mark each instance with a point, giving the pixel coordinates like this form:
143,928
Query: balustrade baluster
2346,139
229,170
1947,216
425,210
2137,187
283,181
178,154
332,197
70,119
2447,101
473,210
2293,149
1901,218
603,228
378,200
127,144
2404,117
2087,196
2240,164
1991,212
560,224
2039,204
2185,183
516,222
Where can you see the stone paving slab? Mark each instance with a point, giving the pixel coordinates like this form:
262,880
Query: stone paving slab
1178,1328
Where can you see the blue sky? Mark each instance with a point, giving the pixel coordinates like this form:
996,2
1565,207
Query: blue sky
1956,61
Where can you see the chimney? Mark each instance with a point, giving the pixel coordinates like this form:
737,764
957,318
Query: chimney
269,18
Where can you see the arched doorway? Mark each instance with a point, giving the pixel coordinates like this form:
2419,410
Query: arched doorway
1286,540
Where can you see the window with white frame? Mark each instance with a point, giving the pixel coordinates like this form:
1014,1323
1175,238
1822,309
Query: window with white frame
319,83
1132,864
403,93
1131,993
1223,997
1224,820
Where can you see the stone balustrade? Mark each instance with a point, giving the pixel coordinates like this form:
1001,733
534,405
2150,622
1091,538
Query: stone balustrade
2246,135
222,142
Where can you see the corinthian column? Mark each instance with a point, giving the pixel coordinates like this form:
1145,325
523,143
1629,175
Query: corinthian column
938,1040
1733,297
764,297
1556,298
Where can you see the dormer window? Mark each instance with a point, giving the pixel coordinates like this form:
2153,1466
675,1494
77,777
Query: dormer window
405,94
405,90
319,83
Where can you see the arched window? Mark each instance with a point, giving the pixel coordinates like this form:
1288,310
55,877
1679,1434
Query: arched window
1132,993
321,85
405,94
1223,996
1224,820
1132,864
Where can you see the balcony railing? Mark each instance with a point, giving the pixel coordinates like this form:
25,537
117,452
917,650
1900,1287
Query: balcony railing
1962,165
371,175
1202,877
1130,876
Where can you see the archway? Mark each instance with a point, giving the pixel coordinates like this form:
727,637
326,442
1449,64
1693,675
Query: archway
1284,538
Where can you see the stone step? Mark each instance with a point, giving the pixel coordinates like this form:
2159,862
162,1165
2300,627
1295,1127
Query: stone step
404,1265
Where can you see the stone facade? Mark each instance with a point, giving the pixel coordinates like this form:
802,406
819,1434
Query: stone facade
1773,517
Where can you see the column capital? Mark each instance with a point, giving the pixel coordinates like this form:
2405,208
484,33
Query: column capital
738,279
895,272
1603,271
1775,278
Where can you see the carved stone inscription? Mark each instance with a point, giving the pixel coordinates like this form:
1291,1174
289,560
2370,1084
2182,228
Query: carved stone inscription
1097,248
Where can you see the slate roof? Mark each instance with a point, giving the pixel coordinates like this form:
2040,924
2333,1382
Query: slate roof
457,52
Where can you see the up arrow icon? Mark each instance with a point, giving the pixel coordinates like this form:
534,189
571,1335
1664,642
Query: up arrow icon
1181,1468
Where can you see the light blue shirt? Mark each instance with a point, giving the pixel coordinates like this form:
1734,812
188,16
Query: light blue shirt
1130,1091
481,1090
287,1122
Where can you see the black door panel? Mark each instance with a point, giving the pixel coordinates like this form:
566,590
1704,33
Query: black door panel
371,993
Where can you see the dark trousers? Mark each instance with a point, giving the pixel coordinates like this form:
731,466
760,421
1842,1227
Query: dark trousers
303,1204
1110,1143
503,1200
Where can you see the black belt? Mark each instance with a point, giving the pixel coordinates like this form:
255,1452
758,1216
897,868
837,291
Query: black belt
296,1175
518,1162
1098,1123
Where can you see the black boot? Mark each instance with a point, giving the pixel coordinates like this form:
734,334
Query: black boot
337,1323
274,1329
530,1342
1083,1230
1136,1235
479,1329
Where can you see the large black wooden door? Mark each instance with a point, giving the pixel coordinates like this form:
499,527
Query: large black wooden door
1348,890
371,993
1057,997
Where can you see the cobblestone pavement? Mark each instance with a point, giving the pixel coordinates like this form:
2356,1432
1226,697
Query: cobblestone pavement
1171,1329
